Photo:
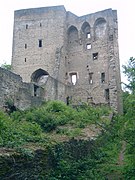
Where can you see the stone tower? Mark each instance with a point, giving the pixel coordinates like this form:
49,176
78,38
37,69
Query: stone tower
79,52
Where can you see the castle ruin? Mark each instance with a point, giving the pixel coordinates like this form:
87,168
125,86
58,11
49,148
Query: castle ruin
66,57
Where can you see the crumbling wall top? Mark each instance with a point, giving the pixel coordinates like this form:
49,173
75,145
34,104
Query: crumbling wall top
36,11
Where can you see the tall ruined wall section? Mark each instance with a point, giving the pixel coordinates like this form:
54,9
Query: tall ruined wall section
73,57
38,41
92,56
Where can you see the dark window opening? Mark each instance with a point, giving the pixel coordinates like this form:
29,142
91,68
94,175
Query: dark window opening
88,36
88,46
68,99
40,25
25,46
95,56
40,43
36,90
107,95
87,67
111,38
73,36
26,26
90,78
100,28
25,59
66,76
102,77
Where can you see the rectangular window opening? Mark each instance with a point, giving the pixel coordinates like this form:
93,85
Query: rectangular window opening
73,79
25,46
90,78
36,89
111,38
88,35
26,26
68,100
103,77
88,46
25,59
107,95
95,56
40,43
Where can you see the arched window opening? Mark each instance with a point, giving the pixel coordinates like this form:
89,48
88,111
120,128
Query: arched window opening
72,35
40,77
100,28
86,30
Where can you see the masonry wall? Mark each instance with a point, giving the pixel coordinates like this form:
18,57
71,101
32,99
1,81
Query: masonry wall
92,42
55,90
80,55
25,95
12,89
35,26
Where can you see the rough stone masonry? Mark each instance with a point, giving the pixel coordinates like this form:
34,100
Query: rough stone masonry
73,59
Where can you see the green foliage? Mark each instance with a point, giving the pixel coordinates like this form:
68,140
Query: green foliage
6,130
10,105
56,113
15,133
75,159
129,120
21,127
6,66
129,134
129,71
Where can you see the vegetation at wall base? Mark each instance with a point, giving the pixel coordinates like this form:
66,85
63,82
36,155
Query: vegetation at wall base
50,138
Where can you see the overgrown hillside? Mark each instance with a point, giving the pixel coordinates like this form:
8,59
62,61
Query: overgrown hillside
56,141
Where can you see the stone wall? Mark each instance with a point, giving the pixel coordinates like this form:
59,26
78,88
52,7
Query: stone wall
55,90
38,41
52,42
13,90
24,95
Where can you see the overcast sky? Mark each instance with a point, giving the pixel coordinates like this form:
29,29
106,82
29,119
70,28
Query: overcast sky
126,21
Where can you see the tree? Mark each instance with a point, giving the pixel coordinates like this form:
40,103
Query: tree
129,71
6,66
129,115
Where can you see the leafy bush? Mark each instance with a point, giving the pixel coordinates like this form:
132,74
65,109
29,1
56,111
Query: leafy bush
14,133
56,113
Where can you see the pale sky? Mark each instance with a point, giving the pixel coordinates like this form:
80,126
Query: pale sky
126,21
